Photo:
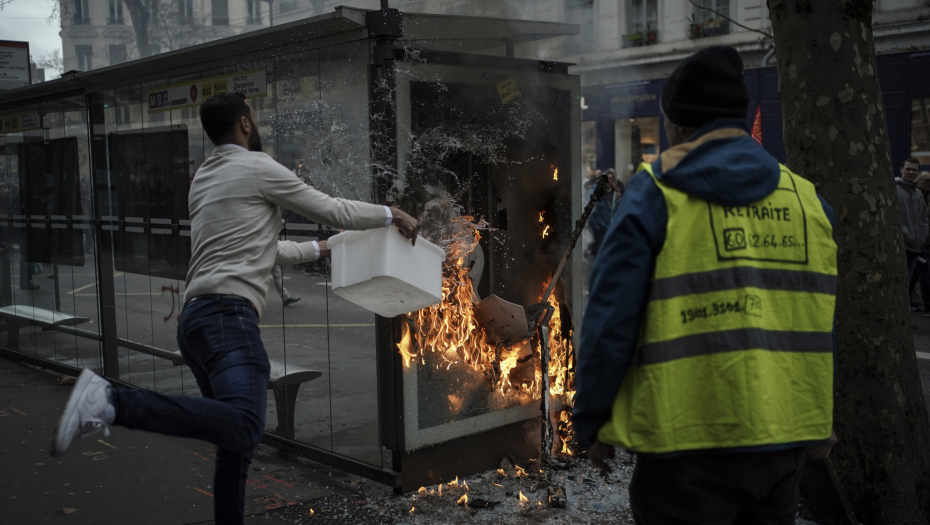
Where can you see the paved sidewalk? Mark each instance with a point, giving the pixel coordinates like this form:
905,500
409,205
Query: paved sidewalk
131,477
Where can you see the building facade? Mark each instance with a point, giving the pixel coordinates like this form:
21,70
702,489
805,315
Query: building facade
623,53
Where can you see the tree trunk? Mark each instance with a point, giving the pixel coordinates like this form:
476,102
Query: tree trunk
835,135
140,25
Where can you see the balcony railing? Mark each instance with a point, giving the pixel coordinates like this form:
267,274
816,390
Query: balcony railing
641,38
115,21
710,28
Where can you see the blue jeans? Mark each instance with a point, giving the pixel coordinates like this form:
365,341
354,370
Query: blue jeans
221,343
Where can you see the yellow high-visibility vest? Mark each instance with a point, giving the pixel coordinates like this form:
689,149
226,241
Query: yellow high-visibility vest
736,347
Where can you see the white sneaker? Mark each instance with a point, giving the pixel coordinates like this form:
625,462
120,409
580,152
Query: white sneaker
89,410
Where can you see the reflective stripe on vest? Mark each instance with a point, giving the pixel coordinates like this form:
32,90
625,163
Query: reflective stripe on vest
736,347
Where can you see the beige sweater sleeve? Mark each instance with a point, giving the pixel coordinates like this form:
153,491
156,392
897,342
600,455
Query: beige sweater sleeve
290,252
282,187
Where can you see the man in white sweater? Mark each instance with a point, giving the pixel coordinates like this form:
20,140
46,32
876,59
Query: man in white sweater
234,203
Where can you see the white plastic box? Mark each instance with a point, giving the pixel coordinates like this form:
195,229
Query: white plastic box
381,271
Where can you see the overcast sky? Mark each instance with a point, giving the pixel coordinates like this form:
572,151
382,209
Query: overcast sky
27,20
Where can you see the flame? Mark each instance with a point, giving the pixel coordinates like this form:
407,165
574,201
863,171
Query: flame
404,347
450,332
411,510
496,484
455,482
463,500
311,512
541,216
520,472
555,174
501,472
465,485
422,491
440,489
523,498
566,432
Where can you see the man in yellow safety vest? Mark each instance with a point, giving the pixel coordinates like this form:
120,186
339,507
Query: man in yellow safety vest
707,345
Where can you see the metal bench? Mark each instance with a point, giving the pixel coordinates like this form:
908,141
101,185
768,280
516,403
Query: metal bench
17,316
285,387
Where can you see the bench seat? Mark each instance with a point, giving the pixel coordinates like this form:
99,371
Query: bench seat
33,315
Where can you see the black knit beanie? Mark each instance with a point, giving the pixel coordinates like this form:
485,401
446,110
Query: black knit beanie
707,85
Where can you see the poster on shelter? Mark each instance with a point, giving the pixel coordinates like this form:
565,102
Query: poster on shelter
19,122
252,84
14,64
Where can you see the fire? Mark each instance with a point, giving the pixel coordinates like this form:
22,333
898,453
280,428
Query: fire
520,472
545,232
405,346
311,512
541,216
422,491
523,499
566,432
463,500
411,510
555,174
455,482
440,489
501,472
450,332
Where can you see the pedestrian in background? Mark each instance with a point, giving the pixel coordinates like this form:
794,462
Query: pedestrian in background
234,205
914,220
922,269
604,210
709,325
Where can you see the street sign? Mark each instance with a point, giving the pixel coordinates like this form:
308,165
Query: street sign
14,64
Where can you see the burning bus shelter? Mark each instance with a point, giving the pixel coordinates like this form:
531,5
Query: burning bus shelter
430,113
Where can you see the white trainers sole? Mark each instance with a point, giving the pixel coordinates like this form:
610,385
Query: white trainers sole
69,426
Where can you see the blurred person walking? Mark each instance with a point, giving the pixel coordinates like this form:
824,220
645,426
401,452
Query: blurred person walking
914,220
922,268
604,210
707,344
234,205
277,276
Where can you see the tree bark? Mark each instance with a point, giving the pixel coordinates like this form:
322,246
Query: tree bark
835,136
140,25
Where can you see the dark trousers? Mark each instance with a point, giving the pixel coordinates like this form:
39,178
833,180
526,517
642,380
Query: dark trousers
220,342
717,488
919,271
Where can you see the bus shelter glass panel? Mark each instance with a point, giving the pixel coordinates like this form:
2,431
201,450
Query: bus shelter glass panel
320,130
47,280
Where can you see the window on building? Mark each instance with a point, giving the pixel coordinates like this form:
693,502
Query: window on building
920,129
81,12
186,11
642,23
221,12
253,9
85,55
117,54
115,13
710,18
579,12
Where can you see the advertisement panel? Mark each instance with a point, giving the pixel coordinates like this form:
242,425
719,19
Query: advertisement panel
251,83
